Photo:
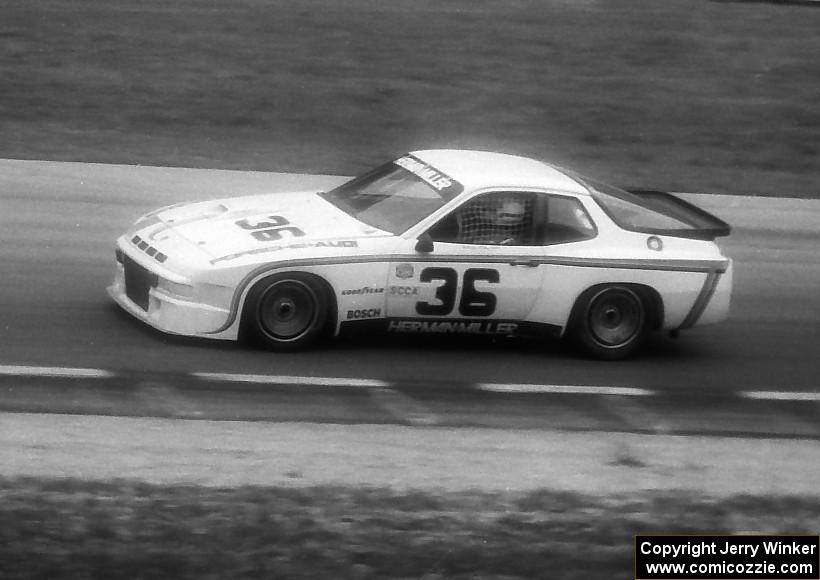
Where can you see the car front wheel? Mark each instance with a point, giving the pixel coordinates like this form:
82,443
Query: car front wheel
609,322
288,312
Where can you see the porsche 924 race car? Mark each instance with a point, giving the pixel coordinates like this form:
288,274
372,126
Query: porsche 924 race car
438,242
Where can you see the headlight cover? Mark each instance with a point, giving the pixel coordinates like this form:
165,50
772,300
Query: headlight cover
175,288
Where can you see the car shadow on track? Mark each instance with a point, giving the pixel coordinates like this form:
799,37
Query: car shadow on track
659,347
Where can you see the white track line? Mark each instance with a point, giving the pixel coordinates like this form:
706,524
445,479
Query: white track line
781,395
62,372
565,389
288,380
85,373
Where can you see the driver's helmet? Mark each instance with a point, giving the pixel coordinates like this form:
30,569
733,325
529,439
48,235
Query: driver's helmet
510,212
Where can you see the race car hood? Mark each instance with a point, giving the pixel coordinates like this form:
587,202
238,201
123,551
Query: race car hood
243,225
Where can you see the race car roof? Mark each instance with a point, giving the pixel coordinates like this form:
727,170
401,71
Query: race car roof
480,169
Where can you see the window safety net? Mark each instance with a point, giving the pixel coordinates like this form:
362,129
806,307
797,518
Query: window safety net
504,220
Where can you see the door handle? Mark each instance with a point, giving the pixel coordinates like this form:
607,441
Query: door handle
529,263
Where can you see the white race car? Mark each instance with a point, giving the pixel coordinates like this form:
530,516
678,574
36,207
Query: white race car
435,242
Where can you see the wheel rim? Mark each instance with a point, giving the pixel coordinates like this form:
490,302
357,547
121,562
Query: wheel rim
287,310
615,317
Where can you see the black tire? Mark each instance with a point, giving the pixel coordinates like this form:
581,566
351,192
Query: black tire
609,322
287,312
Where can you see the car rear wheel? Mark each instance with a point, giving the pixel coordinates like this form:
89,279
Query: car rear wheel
609,322
288,312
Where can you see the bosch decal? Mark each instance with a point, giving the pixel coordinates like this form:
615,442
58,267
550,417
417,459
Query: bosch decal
364,313
405,271
364,290
448,327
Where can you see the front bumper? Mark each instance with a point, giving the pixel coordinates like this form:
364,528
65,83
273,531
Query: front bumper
163,311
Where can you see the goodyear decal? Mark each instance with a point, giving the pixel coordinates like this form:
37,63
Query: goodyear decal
364,290
452,327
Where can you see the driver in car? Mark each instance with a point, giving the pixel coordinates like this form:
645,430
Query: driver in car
495,220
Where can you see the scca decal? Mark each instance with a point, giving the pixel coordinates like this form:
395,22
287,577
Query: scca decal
364,313
448,327
404,291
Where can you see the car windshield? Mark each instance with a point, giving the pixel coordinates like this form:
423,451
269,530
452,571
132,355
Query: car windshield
633,212
396,195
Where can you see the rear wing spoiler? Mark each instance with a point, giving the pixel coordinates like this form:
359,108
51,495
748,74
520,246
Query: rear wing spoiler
703,225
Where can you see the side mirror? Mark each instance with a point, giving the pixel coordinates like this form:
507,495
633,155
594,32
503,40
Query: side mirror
424,244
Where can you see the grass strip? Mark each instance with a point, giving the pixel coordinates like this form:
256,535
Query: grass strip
125,529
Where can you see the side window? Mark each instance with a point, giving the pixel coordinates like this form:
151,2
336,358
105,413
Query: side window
502,218
561,220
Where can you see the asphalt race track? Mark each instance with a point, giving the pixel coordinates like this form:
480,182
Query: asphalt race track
58,222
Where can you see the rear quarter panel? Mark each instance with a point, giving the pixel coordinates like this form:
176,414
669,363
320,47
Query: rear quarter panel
565,283
677,272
